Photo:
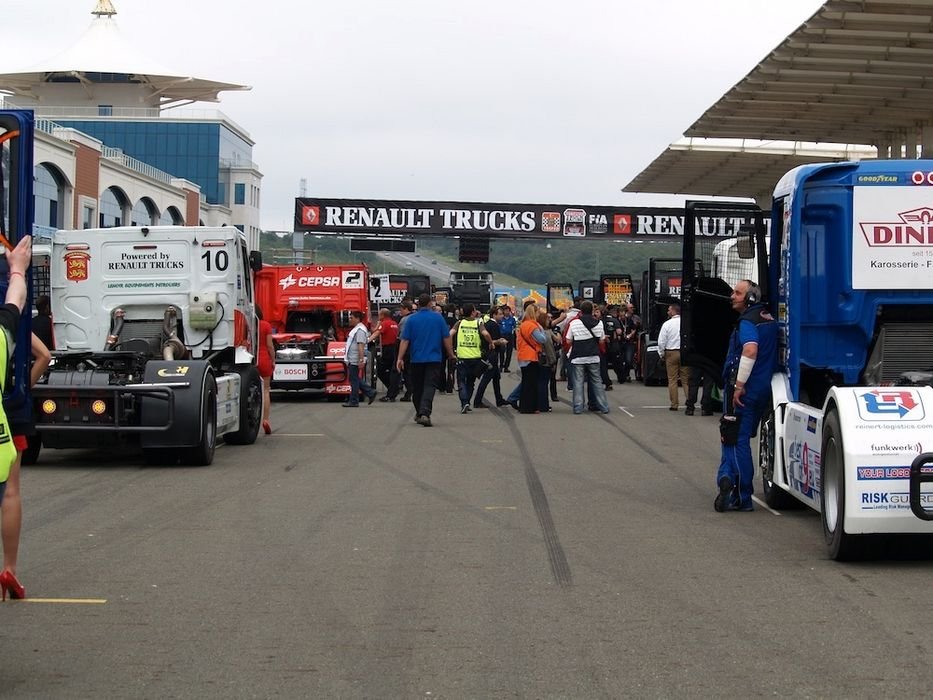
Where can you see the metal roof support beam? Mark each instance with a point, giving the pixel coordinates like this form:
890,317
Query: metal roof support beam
911,142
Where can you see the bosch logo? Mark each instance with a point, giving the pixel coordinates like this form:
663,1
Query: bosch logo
306,282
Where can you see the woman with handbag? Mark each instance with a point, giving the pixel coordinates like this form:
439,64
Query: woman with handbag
528,342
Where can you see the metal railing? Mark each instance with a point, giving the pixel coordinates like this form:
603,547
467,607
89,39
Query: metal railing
118,156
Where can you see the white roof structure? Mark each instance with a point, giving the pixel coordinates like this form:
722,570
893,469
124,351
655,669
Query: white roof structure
856,72
103,50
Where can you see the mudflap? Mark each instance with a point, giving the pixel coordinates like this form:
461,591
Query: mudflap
187,380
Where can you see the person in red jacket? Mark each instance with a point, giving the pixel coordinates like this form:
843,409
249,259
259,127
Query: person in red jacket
266,366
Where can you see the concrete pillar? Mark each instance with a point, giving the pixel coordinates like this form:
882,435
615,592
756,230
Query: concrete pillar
911,143
926,140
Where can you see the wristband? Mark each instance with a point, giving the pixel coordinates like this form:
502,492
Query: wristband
16,272
745,369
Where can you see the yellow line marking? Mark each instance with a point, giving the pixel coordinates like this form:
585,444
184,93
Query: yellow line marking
76,601
501,508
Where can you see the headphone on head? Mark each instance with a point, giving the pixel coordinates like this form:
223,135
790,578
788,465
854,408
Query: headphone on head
752,294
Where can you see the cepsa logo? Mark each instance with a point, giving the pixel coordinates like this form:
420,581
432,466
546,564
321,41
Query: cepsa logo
310,215
305,282
914,230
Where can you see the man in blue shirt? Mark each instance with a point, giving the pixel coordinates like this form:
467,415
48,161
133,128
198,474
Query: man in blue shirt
747,373
507,330
426,336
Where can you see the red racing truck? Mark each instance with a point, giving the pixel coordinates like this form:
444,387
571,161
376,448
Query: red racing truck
309,309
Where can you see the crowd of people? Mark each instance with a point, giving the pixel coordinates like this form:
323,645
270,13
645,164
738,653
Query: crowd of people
427,348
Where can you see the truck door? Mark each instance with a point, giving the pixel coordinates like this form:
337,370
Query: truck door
707,318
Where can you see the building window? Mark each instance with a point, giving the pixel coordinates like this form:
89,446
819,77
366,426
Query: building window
48,194
87,219
104,110
239,193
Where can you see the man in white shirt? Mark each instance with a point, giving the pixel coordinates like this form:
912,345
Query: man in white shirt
669,349
586,336
356,359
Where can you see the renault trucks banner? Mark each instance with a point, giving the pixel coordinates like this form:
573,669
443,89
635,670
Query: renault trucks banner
374,217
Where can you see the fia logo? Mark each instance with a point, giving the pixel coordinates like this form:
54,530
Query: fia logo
885,405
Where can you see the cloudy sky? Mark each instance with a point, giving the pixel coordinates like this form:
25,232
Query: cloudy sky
533,101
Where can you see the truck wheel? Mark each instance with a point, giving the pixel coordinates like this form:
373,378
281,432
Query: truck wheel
203,453
774,496
31,453
250,408
840,545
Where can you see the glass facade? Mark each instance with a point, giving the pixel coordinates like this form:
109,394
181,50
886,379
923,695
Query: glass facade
49,197
111,209
190,150
239,193
143,213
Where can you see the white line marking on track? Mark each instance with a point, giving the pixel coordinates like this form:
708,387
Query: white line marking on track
626,411
763,505
299,434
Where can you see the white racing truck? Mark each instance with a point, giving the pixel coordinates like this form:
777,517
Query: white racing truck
156,338
848,275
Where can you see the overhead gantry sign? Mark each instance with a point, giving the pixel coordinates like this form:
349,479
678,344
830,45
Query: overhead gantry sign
364,217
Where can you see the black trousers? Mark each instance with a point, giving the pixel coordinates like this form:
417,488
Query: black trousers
424,378
387,372
528,400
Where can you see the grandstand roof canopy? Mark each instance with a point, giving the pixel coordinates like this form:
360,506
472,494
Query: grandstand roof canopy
103,52
856,72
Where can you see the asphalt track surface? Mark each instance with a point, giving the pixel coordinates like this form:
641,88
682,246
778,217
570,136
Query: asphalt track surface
355,554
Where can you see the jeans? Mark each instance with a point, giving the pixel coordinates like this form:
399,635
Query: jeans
588,373
357,384
736,462
467,371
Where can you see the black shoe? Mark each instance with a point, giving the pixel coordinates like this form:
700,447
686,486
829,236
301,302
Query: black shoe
372,397
501,402
507,370
350,405
609,387
387,399
672,408
723,500
554,397
688,411
424,420
706,413
417,419
406,397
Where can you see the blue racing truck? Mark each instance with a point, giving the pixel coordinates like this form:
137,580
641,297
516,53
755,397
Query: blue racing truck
848,273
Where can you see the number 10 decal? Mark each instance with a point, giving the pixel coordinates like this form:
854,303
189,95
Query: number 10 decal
219,259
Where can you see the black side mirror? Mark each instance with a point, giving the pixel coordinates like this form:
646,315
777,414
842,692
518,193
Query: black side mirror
255,260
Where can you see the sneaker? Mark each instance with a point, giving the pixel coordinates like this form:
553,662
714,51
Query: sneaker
425,421
417,419
465,408
372,397
673,408
724,497
501,402
386,399
688,411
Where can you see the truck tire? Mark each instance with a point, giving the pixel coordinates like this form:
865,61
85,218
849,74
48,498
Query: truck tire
840,545
774,496
250,408
31,453
202,454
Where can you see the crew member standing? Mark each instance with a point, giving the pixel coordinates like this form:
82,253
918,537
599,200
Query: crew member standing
387,332
426,333
669,348
471,335
750,363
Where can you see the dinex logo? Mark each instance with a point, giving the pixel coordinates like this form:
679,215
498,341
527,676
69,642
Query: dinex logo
915,229
305,282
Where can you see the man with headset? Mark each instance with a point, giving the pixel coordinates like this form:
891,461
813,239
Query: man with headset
746,376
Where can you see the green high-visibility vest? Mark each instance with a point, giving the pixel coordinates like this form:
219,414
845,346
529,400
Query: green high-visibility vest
469,341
